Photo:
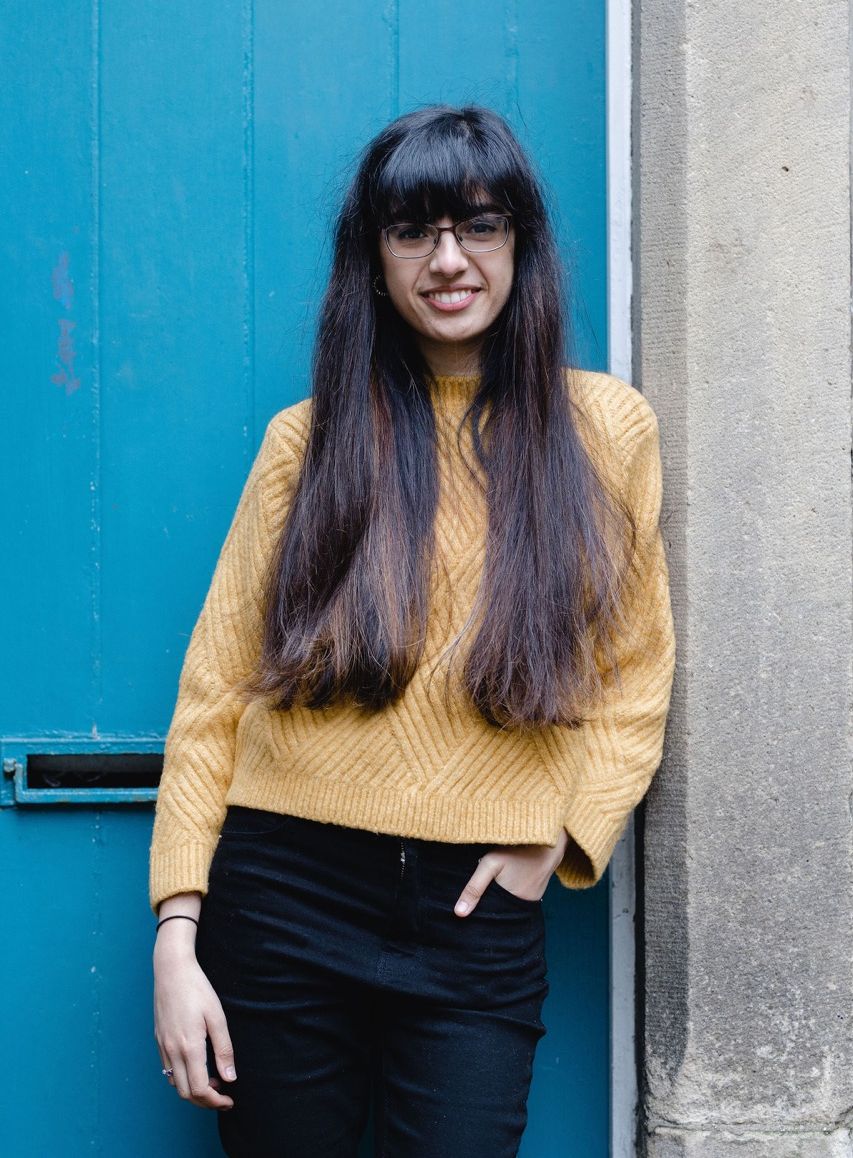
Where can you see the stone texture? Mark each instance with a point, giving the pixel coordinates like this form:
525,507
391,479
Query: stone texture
704,1144
742,344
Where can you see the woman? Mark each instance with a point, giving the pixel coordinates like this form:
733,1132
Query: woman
358,815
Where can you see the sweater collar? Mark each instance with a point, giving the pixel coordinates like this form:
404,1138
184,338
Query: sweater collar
450,391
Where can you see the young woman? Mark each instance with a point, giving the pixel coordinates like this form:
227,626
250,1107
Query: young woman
432,670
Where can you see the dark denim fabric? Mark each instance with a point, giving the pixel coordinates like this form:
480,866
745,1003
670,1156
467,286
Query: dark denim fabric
344,974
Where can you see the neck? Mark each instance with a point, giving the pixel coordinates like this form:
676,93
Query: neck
451,360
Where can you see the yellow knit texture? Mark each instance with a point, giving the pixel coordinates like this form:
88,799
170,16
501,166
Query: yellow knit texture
428,766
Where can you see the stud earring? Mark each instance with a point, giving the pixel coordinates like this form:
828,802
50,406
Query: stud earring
376,288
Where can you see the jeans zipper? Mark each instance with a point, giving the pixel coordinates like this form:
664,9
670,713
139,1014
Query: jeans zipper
402,859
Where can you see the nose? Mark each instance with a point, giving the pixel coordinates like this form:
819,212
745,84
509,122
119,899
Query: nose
448,257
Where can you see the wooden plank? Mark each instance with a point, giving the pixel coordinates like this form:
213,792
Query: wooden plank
178,409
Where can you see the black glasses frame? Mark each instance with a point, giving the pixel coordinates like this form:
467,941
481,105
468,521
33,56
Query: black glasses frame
435,231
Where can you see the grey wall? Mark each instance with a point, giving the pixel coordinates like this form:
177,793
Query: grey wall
742,344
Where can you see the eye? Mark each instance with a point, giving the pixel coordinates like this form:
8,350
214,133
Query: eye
484,226
406,231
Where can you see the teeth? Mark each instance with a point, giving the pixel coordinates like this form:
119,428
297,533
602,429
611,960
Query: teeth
450,299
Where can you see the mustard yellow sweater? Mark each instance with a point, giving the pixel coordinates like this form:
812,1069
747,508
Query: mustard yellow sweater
422,767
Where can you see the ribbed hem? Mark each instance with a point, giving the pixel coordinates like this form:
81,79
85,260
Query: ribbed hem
457,820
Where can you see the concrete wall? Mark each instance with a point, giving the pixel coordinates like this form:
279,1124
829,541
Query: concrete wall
742,343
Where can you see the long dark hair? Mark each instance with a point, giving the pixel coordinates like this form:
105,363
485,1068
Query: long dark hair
347,594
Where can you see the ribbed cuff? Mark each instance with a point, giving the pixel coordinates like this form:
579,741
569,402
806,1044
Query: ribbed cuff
592,839
182,869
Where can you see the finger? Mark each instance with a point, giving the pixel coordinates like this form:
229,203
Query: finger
179,1075
201,1091
220,1042
217,1083
469,897
166,1064
213,1099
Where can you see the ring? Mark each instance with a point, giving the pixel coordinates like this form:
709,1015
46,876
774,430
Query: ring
166,1073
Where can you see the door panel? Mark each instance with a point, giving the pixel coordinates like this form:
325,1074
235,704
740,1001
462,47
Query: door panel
171,172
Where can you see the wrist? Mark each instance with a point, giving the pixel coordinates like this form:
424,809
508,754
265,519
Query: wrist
177,923
175,940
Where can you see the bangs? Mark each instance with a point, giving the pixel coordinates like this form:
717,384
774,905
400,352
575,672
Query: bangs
430,175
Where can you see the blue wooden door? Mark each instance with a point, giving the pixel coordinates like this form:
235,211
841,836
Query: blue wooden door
169,175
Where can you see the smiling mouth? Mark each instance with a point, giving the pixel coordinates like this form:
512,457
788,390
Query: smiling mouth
451,299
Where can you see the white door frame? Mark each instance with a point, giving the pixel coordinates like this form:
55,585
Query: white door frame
623,1072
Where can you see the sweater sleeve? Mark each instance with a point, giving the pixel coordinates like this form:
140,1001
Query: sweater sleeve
623,744
200,745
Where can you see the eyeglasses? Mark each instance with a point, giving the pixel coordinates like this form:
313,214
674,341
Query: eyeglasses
480,234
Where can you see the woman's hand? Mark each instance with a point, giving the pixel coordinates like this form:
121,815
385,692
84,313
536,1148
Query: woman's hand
523,869
186,1012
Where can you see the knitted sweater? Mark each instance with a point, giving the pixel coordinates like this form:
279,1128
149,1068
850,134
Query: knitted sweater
424,767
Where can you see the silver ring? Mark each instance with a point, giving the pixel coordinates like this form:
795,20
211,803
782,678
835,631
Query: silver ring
167,1073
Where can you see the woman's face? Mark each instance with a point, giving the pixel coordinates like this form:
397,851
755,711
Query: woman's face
450,332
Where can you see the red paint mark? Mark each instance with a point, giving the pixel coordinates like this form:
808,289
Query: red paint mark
63,292
65,355
63,286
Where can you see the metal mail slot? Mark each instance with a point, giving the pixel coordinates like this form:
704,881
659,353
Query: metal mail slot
67,775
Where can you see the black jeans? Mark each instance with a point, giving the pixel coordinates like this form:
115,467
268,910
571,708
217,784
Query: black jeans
344,974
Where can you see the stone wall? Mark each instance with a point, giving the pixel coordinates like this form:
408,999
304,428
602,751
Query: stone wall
741,147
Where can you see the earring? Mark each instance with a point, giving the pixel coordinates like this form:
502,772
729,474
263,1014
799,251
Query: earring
376,288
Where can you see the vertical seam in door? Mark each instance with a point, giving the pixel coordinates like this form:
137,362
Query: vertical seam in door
248,113
511,54
392,19
95,637
95,640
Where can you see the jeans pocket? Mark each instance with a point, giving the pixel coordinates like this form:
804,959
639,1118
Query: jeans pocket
241,821
503,892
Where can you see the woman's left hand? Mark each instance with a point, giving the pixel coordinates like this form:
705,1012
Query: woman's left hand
523,869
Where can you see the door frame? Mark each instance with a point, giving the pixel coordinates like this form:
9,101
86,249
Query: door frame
622,898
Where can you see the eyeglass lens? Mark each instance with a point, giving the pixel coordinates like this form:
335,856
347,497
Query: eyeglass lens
477,235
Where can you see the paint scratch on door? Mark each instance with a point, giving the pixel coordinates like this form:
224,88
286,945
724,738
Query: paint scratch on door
63,286
63,292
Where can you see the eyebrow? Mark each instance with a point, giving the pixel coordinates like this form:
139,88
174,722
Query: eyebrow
488,207
471,211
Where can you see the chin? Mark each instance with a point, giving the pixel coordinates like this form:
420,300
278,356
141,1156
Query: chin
455,339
